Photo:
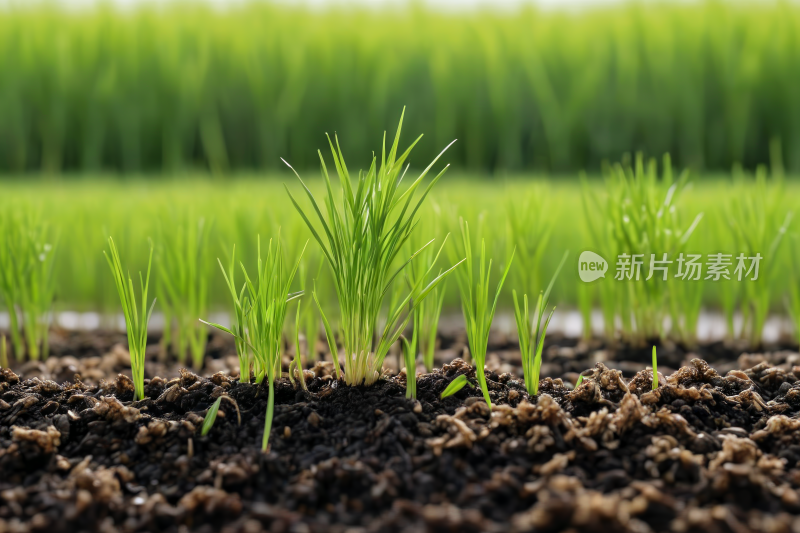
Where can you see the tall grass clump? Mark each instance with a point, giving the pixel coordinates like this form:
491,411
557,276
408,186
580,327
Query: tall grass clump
260,313
478,309
136,318
27,284
183,267
641,224
361,236
759,219
531,332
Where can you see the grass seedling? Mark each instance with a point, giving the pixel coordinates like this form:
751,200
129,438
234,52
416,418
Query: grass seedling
211,414
578,381
759,220
211,417
410,359
297,361
478,310
655,369
642,217
238,328
308,314
531,333
136,319
427,314
361,238
182,262
456,385
26,282
261,309
3,352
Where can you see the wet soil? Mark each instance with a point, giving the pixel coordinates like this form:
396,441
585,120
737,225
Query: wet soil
708,450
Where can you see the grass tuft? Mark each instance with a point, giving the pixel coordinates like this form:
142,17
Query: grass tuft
361,237
261,313
27,284
532,333
477,308
136,319
182,262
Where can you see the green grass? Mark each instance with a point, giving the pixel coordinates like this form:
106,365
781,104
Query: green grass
261,310
171,88
362,236
456,385
27,259
531,333
655,369
477,307
136,319
92,207
183,269
641,216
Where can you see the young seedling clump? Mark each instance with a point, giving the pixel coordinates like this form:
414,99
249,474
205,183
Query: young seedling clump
136,318
361,238
26,281
260,312
531,333
478,310
182,262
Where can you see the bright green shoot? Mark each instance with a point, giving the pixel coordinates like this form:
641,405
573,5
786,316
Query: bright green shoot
297,361
211,414
26,281
136,318
428,313
361,237
579,381
456,385
655,369
531,333
238,328
211,417
476,306
182,262
262,311
308,314
410,359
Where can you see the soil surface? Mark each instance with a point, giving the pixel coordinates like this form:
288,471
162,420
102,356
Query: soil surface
708,450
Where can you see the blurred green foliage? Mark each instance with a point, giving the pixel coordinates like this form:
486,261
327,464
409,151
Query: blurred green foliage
88,209
158,88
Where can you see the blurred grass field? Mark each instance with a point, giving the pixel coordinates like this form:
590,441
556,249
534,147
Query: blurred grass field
84,211
184,87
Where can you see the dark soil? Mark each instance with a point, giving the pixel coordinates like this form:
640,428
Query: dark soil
704,452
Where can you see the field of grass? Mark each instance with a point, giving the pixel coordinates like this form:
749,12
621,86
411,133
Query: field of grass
185,87
539,218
